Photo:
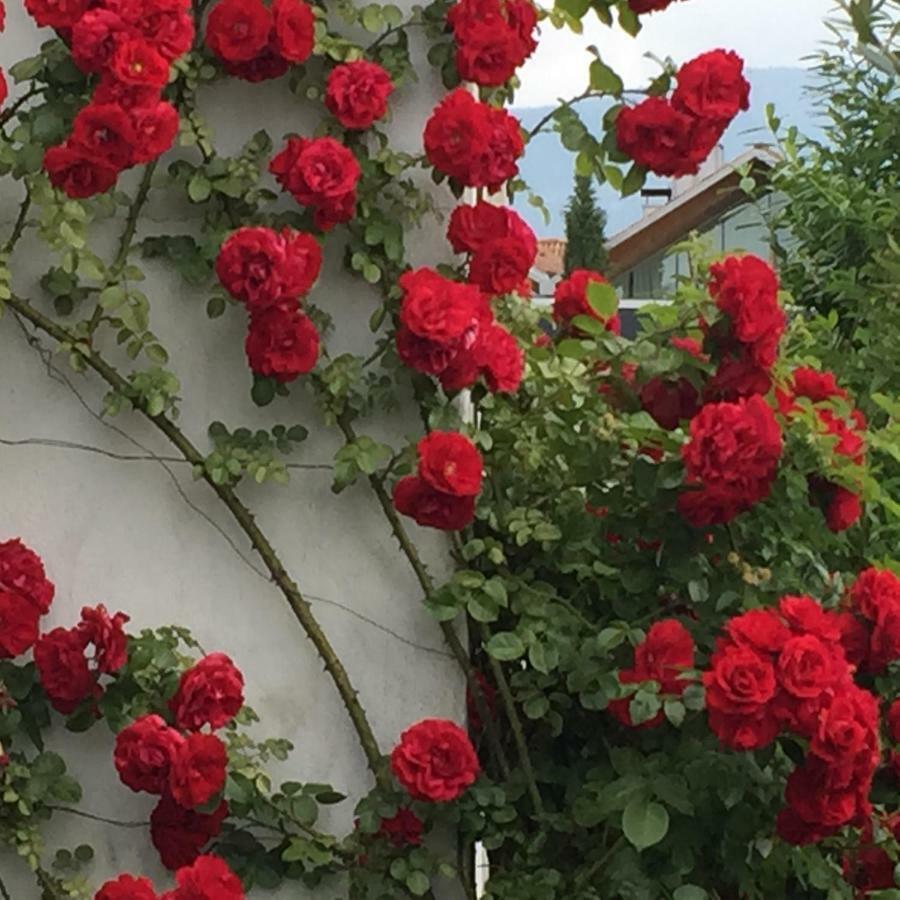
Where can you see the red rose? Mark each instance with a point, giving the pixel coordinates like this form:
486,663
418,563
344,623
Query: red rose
198,770
19,626
63,669
282,343
144,753
737,376
320,173
847,727
429,357
807,667
848,442
647,6
96,37
664,140
56,13
269,64
818,387
129,97
169,27
760,629
500,266
155,127
814,801
438,309
137,62
127,887
357,92
570,299
806,616
745,288
670,402
238,30
734,450
492,38
472,226
210,693
404,829
854,639
712,86
77,172
449,462
885,644
22,573
713,505
209,878
499,358
875,594
473,143
260,267
180,834
413,497
793,830
892,720
4,88
107,636
293,23
435,761
740,681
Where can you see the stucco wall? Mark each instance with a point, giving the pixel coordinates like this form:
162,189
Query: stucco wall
141,536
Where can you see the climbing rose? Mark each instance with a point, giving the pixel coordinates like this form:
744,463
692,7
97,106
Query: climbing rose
4,88
198,770
106,132
144,753
238,30
180,834
169,26
261,267
472,226
63,669
129,97
127,887
56,13
415,498
282,343
570,299
320,173
712,86
438,309
473,143
78,173
646,6
208,878
435,761
357,92
95,38
137,62
875,594
499,358
155,128
664,140
22,573
294,33
210,693
892,720
501,265
843,509
107,635
670,401
18,624
403,829
450,463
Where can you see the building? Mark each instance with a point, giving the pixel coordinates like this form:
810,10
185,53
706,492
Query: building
644,261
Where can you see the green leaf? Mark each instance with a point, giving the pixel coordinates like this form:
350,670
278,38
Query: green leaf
690,892
604,79
199,187
418,883
505,646
645,823
603,299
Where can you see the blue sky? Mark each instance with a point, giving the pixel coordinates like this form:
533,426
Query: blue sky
765,32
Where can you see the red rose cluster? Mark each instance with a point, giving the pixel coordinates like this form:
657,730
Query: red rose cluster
475,144
871,622
320,173
673,137
181,764
435,761
207,878
730,460
131,46
442,493
493,38
570,299
269,271
838,420
785,670
447,329
663,656
869,868
356,94
745,341
257,43
69,674
648,6
25,596
672,400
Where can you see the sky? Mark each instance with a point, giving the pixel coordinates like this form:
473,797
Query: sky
765,32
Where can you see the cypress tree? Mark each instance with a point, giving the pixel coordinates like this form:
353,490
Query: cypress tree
585,229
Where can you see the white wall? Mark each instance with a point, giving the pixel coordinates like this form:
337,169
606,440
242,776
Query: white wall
145,538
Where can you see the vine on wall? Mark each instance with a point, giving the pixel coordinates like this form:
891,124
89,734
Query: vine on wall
658,705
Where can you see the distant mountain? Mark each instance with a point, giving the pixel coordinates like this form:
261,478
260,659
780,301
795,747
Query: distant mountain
549,168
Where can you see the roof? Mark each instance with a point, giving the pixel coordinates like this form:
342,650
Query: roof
703,201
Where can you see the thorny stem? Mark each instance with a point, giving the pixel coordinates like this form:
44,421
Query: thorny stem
4,893
450,635
245,520
21,220
13,108
566,104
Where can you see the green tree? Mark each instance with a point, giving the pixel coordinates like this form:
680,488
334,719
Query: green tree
585,227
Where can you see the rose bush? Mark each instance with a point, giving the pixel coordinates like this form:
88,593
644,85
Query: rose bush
682,653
